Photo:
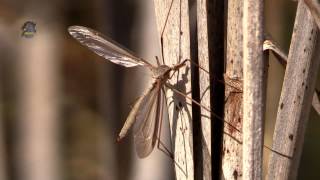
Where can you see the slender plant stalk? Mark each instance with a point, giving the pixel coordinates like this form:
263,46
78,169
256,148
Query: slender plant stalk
296,97
254,91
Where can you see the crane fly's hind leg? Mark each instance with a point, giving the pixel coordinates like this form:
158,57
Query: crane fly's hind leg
197,103
165,150
158,61
234,87
162,32
198,66
229,83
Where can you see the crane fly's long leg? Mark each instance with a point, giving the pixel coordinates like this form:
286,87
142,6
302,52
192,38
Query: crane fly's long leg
235,84
230,84
183,129
174,72
163,104
197,65
158,62
165,150
162,31
197,103
182,94
160,117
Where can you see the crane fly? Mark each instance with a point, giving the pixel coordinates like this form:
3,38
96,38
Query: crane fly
145,113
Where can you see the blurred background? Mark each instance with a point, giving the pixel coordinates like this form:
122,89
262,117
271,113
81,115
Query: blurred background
62,106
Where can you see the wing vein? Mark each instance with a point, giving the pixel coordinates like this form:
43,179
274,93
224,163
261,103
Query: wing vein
106,47
145,134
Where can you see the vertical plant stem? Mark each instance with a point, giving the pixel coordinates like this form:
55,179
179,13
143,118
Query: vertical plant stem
314,7
254,89
37,146
173,20
296,96
232,146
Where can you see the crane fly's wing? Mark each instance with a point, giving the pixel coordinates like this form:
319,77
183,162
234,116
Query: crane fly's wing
146,97
146,128
106,47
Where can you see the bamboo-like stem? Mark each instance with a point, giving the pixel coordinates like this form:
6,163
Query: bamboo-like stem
296,97
204,88
254,90
173,25
314,7
232,150
282,58
37,148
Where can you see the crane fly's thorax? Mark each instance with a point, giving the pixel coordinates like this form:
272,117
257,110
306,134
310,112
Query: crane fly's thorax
161,72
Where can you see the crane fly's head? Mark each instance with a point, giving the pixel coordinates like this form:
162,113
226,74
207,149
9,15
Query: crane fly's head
160,72
163,71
